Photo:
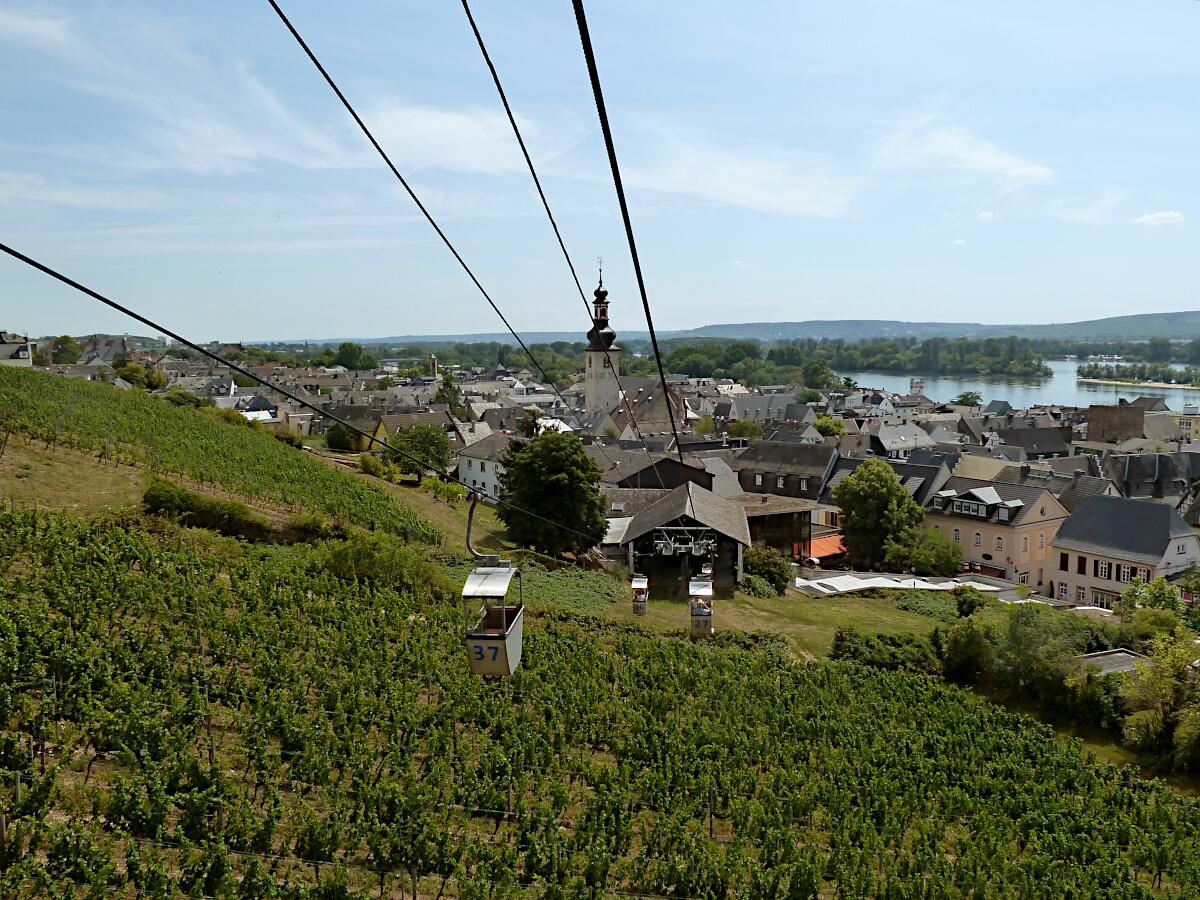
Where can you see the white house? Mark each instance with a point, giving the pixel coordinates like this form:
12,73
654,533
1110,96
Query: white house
479,464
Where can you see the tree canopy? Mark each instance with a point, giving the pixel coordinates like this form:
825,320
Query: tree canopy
428,443
875,509
555,484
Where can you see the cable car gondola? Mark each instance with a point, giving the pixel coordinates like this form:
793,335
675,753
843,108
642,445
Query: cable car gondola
493,625
700,598
641,593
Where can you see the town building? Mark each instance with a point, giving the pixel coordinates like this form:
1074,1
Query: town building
1110,541
1005,530
16,350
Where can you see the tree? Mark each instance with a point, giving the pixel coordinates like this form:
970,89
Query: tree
340,437
550,496
447,393
133,373
65,350
875,508
968,398
352,356
430,446
829,426
528,426
1159,692
1158,349
769,565
926,550
744,428
706,425
808,395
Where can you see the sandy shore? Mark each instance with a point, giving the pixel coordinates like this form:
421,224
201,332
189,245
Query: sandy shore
1156,385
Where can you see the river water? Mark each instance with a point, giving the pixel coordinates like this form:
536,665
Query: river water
1060,388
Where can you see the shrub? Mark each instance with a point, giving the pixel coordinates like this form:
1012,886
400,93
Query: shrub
769,565
895,652
227,517
371,465
757,586
290,438
374,556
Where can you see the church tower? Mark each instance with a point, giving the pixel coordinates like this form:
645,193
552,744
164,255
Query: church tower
601,392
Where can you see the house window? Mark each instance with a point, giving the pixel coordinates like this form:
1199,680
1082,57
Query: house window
1081,595
758,480
482,466
1103,568
999,543
1179,551
1081,565
1102,599
618,507
468,463
833,520
1062,590
1124,573
804,484
1064,563
1025,544
957,535
496,489
1042,541
978,539
1144,574
779,481
1023,578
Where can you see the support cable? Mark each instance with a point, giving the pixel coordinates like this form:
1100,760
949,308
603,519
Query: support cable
421,206
70,282
594,76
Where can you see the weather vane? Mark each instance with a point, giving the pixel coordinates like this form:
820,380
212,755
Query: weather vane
600,266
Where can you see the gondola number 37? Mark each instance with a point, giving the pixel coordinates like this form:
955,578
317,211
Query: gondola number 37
480,652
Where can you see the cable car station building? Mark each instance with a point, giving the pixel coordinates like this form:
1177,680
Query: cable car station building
673,539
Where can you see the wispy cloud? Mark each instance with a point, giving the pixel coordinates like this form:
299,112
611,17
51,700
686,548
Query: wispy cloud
1097,212
50,34
959,242
928,141
456,140
986,216
25,189
766,179
1165,217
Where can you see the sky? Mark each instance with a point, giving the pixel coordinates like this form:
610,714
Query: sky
1004,162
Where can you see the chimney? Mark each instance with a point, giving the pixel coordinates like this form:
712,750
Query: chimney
1025,470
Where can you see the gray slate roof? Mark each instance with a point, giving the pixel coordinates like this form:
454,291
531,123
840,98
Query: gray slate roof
694,502
1072,491
1138,530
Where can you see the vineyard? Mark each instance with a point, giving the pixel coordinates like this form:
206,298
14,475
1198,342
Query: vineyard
191,716
136,428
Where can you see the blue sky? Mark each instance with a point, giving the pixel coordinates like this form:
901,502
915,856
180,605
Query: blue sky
926,161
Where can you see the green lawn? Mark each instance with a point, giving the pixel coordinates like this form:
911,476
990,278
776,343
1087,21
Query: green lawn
806,623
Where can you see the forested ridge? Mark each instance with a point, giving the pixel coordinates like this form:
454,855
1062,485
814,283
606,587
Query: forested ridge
194,716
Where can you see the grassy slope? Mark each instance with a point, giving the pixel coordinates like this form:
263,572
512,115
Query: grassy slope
32,475
147,431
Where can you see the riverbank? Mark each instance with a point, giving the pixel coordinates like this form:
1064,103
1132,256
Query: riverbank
1151,385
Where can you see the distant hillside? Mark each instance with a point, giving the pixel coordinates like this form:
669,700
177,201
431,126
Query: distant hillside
1174,325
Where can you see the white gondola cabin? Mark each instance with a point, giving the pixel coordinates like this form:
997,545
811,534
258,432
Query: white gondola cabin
700,597
494,623
641,593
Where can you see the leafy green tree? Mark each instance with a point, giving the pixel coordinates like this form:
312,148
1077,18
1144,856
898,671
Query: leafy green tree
428,443
744,428
830,426
340,437
352,356
528,426
65,350
808,395
926,550
968,398
875,509
447,393
1158,349
1162,694
769,565
550,496
705,425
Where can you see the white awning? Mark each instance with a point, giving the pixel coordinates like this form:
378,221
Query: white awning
489,581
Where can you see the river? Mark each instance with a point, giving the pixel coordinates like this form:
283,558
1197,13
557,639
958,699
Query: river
1061,388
